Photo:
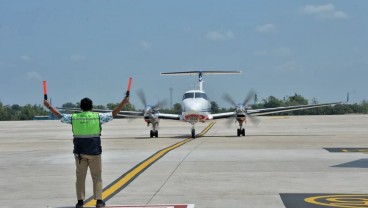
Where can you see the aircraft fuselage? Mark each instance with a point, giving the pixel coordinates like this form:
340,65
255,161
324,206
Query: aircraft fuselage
196,106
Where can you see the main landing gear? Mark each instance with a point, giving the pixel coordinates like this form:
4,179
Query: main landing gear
154,131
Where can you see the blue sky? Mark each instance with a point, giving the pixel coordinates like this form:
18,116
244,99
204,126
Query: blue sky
90,48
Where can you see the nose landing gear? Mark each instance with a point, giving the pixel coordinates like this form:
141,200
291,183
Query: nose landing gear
154,131
193,133
241,132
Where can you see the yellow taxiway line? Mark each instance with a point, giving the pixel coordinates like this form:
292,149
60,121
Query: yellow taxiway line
124,180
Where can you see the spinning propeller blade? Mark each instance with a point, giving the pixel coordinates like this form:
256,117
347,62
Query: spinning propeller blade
228,99
249,97
160,104
142,97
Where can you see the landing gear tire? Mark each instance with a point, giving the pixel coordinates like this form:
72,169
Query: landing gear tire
238,132
153,133
243,132
193,133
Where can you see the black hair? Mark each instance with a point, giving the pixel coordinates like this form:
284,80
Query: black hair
86,104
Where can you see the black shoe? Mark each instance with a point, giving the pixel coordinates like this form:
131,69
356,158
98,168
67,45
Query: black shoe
79,204
100,203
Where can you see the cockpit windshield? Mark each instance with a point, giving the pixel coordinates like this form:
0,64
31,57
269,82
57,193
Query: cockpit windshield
195,95
201,95
188,95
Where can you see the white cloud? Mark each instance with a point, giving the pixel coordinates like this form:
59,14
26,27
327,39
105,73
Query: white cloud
33,76
260,53
77,57
220,35
327,11
25,58
283,51
288,66
187,29
266,28
280,51
145,45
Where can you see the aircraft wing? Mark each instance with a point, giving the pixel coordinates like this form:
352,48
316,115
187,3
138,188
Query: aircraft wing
266,111
223,115
69,110
169,116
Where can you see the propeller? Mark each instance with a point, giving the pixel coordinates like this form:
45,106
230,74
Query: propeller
242,107
249,97
159,105
142,97
253,119
228,99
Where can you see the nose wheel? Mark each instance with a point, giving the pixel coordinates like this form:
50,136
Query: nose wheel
193,133
241,132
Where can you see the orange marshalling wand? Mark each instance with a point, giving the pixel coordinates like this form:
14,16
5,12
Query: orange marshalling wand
130,83
44,90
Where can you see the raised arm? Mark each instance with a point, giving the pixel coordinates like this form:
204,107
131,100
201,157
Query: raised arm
118,108
52,109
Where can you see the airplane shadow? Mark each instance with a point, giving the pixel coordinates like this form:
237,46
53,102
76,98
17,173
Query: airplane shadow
362,163
171,137
268,135
185,136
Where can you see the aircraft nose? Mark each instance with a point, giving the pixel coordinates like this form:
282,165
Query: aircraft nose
193,106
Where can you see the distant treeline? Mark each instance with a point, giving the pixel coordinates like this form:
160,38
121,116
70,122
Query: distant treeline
17,112
27,112
339,109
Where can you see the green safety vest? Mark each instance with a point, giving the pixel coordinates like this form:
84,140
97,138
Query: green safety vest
86,131
86,125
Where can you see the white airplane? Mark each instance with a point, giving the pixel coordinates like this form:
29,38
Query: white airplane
197,108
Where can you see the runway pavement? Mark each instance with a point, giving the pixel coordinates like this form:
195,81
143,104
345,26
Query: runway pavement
279,163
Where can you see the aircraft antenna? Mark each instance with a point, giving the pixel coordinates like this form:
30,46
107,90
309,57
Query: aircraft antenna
171,96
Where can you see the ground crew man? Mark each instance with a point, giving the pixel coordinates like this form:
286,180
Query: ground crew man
86,127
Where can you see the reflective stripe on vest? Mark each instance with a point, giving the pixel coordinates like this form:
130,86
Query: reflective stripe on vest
86,125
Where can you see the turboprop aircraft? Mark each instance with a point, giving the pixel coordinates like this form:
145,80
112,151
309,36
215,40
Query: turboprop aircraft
197,108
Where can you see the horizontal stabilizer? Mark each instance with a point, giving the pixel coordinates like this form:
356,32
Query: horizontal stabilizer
198,72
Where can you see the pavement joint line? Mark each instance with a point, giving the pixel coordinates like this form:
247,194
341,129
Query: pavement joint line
154,195
124,180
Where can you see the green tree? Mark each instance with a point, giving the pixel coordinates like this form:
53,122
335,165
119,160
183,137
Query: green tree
364,106
111,106
214,107
129,107
296,100
273,102
70,105
15,107
101,107
177,109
